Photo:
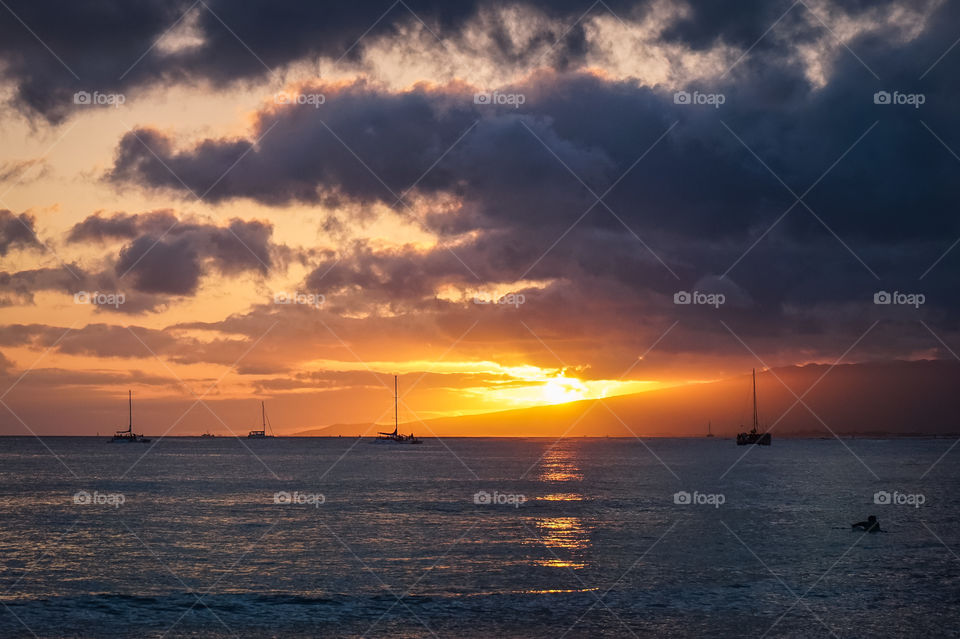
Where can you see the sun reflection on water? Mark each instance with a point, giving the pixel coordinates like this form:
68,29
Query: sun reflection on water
553,591
560,464
565,537
562,497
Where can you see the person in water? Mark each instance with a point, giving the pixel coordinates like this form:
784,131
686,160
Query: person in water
871,525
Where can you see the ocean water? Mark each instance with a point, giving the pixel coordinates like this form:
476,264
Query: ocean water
581,538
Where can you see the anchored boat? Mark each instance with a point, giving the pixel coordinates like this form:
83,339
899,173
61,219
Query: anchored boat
264,424
754,436
395,436
128,436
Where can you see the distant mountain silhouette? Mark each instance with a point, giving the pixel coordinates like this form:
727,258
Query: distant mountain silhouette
898,397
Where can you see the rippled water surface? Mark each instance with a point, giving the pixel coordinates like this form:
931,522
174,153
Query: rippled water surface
587,539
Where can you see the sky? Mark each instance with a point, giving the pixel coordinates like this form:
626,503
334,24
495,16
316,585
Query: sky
506,205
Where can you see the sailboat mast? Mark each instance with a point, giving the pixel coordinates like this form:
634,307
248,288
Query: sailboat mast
396,402
263,417
756,422
130,407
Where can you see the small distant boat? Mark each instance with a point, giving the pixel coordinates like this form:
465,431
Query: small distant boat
128,436
264,424
207,435
395,436
754,436
709,432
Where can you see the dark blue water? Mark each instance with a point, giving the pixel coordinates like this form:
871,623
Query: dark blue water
188,539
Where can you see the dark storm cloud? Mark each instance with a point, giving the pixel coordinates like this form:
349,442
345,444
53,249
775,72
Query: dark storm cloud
58,48
163,256
74,46
172,266
167,256
522,170
17,231
597,129
500,165
399,135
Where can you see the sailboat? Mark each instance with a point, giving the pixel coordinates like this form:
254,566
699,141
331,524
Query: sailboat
709,432
128,436
395,436
754,436
262,433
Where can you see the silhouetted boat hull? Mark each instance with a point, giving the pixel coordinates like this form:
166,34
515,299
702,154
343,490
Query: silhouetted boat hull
131,438
759,439
394,438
